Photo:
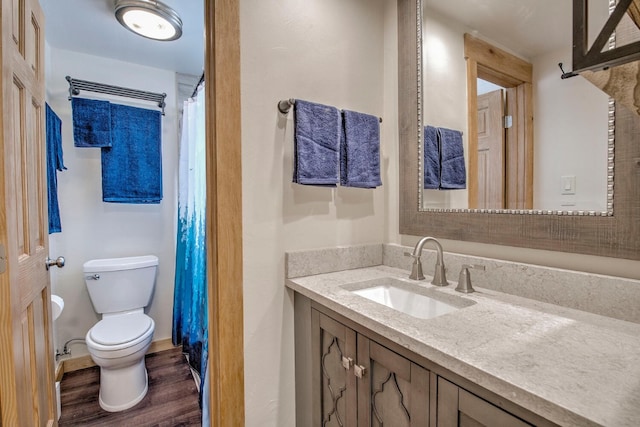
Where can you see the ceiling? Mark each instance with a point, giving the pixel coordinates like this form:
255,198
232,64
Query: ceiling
89,26
526,27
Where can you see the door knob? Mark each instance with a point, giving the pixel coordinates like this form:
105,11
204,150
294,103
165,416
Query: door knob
58,262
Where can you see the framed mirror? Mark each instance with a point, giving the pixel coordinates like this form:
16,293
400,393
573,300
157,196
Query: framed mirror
590,231
526,138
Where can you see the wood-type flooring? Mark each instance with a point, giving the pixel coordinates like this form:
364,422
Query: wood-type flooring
172,399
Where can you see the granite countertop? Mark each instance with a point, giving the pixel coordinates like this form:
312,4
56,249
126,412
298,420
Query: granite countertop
571,367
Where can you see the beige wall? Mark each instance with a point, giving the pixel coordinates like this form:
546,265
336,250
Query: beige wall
327,51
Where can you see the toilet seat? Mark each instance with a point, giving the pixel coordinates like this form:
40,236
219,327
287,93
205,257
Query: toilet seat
116,330
120,332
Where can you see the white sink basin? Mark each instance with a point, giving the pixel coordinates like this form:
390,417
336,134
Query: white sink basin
57,305
398,295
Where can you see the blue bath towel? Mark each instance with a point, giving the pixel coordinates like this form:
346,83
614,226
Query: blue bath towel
91,122
431,158
453,174
54,164
316,144
360,151
132,166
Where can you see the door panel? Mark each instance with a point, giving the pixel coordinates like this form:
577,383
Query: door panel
459,408
26,359
393,391
491,150
335,382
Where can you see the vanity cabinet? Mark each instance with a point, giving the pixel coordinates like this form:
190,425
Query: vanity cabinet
359,382
349,376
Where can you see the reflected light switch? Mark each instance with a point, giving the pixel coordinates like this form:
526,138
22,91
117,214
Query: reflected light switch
568,184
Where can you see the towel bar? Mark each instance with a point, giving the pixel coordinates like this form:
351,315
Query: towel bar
285,105
75,85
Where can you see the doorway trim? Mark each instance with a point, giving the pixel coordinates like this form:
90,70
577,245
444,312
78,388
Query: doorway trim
224,212
497,66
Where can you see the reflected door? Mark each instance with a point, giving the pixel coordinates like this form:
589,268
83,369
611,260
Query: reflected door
26,357
491,150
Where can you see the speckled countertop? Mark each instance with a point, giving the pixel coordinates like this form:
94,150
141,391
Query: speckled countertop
571,367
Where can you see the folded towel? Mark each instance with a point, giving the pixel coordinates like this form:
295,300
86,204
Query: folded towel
316,144
132,166
360,151
431,158
91,123
453,174
54,163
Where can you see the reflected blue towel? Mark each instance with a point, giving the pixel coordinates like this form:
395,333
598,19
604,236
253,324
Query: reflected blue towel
132,167
54,164
360,151
91,122
316,144
431,158
453,175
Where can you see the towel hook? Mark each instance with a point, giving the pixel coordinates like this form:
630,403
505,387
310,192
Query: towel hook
567,74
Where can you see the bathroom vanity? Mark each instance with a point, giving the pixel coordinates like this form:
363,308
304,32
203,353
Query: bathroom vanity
493,359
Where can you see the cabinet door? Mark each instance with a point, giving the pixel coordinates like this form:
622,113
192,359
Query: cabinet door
334,350
459,408
393,391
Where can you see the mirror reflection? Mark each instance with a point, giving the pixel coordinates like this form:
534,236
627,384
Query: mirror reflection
500,128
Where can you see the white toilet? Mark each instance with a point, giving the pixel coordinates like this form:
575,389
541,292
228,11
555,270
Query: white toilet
120,289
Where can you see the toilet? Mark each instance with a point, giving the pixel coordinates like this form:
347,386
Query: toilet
120,289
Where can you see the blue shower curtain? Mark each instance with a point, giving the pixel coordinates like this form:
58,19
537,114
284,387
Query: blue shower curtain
190,315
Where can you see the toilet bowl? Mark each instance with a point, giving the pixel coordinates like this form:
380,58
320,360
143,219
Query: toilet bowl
119,289
118,345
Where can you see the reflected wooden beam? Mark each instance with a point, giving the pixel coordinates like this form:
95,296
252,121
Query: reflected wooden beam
587,58
620,82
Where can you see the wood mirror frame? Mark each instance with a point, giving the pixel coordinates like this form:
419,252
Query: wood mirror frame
615,236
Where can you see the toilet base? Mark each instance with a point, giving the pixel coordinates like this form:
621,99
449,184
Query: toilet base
123,388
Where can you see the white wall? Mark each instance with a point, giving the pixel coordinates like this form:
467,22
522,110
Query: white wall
327,51
92,228
570,137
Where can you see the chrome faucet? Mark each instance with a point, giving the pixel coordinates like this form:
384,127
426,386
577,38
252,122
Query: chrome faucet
439,275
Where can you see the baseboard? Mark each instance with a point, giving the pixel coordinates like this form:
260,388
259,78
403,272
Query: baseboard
83,362
59,372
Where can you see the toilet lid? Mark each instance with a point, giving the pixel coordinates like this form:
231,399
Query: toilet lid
120,329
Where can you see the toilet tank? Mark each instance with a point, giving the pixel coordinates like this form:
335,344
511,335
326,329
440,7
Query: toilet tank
120,284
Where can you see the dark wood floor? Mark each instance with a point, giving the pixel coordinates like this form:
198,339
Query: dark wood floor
172,399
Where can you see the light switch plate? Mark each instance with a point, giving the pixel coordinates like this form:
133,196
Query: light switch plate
568,184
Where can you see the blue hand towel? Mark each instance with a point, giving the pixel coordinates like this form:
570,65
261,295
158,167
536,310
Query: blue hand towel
431,158
132,167
360,151
54,164
316,144
453,175
91,122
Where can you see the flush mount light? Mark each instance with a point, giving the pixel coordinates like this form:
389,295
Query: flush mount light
149,18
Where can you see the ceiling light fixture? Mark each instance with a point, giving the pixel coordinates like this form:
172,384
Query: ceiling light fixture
149,18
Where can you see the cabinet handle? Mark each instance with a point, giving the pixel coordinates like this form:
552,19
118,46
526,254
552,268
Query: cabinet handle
359,370
347,362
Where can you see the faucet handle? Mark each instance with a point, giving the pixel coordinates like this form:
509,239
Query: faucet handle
416,267
464,281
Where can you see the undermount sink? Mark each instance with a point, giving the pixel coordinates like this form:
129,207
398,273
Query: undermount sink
398,295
